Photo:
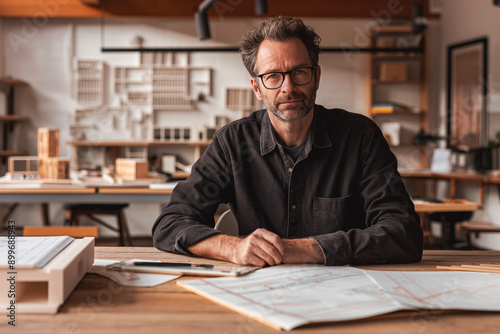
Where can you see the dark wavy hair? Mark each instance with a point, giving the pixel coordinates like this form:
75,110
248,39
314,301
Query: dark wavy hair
279,29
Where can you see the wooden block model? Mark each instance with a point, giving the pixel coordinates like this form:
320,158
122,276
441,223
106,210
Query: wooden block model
23,165
131,169
48,147
57,168
48,143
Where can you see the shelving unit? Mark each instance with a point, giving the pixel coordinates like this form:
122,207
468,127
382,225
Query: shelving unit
242,99
9,121
398,80
95,152
89,82
163,82
160,84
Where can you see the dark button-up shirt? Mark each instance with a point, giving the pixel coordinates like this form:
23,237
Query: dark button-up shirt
343,190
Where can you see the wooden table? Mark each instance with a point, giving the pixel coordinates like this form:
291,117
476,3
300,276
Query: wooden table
79,194
124,194
424,209
145,195
85,195
455,177
431,207
100,306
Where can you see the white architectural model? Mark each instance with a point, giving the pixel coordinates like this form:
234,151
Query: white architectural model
89,82
144,96
161,82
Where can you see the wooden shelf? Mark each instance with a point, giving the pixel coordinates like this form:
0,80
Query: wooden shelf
12,153
180,175
411,70
397,57
399,113
139,143
12,82
397,29
408,82
13,118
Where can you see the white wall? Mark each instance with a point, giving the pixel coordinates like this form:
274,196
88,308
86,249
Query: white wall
463,20
43,57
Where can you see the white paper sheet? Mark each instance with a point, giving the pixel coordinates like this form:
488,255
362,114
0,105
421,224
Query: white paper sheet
290,296
129,278
31,252
441,290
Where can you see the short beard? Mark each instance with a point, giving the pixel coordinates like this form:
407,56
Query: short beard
273,107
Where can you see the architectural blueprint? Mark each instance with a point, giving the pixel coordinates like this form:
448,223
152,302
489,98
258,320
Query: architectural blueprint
289,296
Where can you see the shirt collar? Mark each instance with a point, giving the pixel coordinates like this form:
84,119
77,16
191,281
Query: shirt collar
318,133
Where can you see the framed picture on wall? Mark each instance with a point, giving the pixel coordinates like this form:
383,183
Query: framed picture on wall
467,88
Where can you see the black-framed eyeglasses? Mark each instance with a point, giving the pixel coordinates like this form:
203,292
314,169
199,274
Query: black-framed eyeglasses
299,76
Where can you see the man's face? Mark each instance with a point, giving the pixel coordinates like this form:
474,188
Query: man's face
289,102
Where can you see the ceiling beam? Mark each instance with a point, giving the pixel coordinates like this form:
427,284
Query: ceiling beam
367,9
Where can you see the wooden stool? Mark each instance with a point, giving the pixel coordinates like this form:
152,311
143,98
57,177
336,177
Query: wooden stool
448,221
73,211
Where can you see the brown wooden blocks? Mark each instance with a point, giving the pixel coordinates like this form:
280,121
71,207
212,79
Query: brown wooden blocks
131,169
57,168
48,143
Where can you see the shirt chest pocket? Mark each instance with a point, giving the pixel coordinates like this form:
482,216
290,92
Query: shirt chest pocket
330,214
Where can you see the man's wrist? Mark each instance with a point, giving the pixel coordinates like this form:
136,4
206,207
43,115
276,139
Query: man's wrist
304,250
219,246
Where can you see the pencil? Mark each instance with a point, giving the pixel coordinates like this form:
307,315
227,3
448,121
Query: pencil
485,268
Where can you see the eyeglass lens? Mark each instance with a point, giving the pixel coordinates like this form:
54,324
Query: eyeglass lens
300,76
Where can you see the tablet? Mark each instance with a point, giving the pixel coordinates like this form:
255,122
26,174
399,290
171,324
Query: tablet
182,268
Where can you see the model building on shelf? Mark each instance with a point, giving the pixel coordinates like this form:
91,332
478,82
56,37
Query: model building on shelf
161,83
131,169
47,165
142,110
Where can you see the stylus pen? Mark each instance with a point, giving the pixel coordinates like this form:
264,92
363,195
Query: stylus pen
172,264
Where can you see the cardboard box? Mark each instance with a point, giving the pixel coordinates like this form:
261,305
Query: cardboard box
393,72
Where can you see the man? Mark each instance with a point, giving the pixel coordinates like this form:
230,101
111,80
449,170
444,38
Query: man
306,184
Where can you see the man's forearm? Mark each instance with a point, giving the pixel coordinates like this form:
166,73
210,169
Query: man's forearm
219,247
260,248
304,250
